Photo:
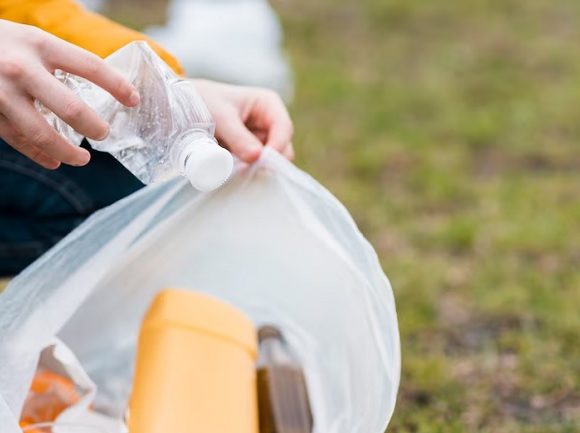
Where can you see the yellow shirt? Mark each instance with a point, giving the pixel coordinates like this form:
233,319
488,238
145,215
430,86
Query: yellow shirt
71,22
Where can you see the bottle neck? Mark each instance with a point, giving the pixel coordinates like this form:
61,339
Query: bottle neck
185,145
274,351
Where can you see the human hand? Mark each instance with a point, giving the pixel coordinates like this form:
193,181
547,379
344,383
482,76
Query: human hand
248,118
28,59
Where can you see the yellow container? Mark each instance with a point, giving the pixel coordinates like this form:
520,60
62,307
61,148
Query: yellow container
195,370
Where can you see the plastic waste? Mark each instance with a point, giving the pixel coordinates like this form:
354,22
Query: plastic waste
60,397
272,242
169,133
195,367
56,427
282,392
50,394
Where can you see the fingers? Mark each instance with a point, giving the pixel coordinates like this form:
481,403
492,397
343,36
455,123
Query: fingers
66,105
289,152
260,134
288,149
23,117
281,128
236,137
19,142
247,118
70,58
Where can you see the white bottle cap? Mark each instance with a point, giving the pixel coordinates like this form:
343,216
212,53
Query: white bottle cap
208,165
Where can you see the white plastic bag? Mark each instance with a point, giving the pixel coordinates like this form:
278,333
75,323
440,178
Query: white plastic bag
272,241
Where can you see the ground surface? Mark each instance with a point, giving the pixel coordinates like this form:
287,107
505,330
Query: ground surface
451,130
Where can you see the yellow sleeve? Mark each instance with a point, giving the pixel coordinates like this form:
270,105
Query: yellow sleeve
71,22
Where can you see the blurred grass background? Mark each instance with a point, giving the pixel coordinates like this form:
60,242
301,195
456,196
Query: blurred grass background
451,131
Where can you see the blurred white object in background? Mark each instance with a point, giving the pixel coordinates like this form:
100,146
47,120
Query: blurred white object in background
237,41
93,5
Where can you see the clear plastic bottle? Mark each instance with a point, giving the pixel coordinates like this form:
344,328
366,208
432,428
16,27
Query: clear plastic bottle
169,133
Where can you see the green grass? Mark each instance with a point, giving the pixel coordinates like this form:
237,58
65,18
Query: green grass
451,130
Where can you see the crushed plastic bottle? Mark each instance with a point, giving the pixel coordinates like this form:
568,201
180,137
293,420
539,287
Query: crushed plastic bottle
169,133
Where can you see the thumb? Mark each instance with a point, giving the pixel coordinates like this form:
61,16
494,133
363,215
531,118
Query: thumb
233,134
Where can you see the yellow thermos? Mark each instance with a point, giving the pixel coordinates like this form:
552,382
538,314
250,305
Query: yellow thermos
195,369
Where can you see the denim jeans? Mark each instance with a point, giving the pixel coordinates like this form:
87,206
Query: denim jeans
38,207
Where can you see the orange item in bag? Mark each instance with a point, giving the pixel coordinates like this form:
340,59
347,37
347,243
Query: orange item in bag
49,395
195,369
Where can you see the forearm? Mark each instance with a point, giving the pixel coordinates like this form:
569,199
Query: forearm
71,22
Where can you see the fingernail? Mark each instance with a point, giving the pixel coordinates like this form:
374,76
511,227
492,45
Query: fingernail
253,152
51,165
134,98
84,158
106,134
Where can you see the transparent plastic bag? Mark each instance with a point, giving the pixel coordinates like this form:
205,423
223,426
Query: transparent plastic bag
272,242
